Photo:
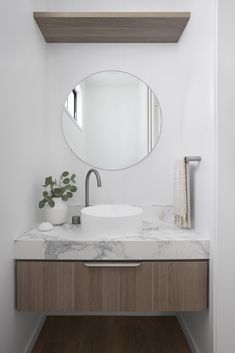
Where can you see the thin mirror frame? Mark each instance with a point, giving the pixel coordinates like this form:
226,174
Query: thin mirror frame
134,164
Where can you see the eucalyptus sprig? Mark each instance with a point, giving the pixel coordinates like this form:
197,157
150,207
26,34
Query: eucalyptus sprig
64,189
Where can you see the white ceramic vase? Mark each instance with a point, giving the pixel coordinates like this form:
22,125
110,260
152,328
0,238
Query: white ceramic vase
57,215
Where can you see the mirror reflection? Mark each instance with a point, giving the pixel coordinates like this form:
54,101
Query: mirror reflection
111,120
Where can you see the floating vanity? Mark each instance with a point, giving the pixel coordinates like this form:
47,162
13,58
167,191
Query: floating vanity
122,258
161,268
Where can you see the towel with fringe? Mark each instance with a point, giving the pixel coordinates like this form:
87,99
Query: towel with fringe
182,209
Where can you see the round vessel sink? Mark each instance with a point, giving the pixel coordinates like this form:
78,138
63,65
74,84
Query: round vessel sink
111,219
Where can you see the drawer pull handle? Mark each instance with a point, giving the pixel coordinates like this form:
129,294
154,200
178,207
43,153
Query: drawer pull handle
112,264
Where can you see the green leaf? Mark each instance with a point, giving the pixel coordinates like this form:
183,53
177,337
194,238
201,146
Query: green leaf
51,203
42,203
65,174
57,191
49,198
73,176
73,188
66,181
48,180
45,193
63,189
65,198
69,194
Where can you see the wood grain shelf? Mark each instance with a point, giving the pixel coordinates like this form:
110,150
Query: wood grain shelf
111,27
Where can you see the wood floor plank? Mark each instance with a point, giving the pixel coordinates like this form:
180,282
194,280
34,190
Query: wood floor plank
111,334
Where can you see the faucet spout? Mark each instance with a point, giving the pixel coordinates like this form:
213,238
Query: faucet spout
87,185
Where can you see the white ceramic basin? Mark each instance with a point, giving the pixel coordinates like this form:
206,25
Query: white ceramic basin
111,219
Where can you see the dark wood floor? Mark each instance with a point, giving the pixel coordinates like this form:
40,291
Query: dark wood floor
95,334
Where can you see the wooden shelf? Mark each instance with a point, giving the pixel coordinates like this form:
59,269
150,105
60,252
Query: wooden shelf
111,27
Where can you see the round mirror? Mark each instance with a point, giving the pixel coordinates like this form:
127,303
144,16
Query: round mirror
111,120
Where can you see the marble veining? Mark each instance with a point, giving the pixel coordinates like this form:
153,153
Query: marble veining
158,240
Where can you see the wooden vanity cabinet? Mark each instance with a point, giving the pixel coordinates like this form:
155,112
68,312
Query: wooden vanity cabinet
149,286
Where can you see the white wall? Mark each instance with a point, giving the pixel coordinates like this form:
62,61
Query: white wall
23,159
177,73
117,186
198,138
225,269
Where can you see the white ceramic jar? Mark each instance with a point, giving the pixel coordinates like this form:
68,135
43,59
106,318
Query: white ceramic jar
57,215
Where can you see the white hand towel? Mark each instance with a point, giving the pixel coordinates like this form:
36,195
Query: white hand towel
182,209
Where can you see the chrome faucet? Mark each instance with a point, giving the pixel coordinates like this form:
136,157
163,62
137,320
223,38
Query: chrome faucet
98,180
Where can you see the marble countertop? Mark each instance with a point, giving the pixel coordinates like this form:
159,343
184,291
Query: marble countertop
158,240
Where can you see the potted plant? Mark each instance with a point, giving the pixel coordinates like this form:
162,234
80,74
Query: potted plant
54,196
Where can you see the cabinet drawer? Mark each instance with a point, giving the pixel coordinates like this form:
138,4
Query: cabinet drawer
112,287
180,286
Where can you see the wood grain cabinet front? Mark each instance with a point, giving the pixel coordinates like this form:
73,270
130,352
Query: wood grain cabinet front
115,287
111,286
44,285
